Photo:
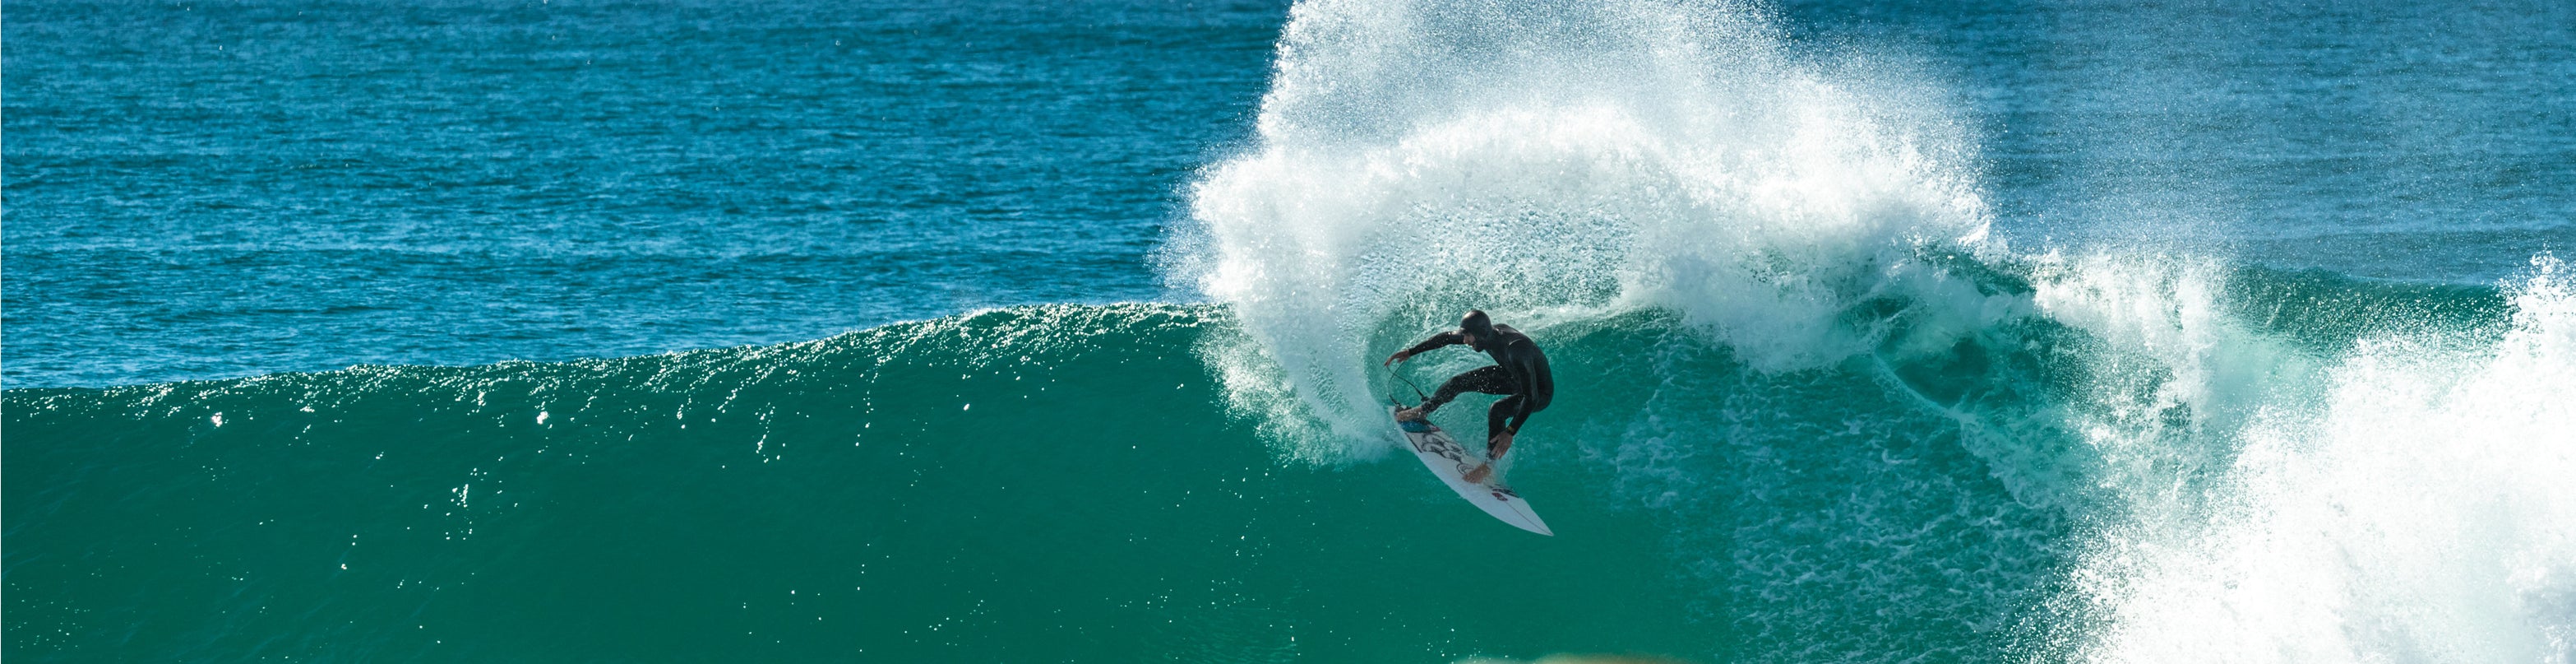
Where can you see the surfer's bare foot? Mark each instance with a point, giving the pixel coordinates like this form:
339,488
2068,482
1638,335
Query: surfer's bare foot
1477,476
1409,415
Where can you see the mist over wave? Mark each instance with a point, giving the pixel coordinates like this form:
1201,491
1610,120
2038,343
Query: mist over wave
2143,456
1559,163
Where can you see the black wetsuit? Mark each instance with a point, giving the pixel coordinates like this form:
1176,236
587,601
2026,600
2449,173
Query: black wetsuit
1519,370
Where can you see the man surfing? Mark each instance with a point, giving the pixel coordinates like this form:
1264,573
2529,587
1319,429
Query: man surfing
1519,371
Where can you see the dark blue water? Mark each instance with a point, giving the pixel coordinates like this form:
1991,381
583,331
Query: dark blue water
2415,141
214,189
225,189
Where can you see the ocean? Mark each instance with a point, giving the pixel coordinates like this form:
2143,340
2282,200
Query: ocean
676,331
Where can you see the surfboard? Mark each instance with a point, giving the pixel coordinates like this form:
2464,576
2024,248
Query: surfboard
1450,462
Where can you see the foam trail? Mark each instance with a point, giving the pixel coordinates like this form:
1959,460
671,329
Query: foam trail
1555,162
2417,509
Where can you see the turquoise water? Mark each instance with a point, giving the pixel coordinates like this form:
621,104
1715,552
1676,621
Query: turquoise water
1883,333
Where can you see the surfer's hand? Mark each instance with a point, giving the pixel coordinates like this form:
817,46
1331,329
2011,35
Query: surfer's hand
1399,356
1499,445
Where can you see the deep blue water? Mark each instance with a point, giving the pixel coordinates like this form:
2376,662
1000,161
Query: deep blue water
223,189
2413,141
210,189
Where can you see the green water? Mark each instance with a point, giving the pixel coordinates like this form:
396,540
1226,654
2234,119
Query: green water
1077,483
1053,484
1030,485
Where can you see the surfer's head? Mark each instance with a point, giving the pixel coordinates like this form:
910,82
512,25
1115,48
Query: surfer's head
1478,328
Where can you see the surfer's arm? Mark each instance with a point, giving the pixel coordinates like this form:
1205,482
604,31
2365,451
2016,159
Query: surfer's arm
1449,338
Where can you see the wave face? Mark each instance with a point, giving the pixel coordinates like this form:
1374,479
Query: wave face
1052,483
2127,464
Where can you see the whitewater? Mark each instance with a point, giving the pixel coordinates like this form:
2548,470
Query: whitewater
1812,406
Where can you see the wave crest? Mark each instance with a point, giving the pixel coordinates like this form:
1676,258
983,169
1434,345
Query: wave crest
1560,163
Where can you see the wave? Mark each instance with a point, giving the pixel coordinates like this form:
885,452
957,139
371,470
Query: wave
1809,410
1563,163
1803,234
2404,497
2119,455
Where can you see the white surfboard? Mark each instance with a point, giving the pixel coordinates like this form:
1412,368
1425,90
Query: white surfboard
1451,462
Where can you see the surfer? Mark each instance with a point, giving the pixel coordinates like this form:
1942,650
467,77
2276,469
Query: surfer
1519,371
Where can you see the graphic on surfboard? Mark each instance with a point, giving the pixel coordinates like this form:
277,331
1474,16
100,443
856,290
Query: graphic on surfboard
1451,462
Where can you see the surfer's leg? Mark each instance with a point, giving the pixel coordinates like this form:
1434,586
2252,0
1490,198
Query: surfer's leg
1489,380
1494,418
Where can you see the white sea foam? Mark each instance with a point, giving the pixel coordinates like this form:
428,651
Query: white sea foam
1554,162
2420,507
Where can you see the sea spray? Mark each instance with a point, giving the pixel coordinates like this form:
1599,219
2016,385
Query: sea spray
2411,502
1556,163
1798,351
1850,396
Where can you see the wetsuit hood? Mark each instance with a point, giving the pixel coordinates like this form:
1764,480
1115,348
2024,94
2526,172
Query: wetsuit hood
1482,327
